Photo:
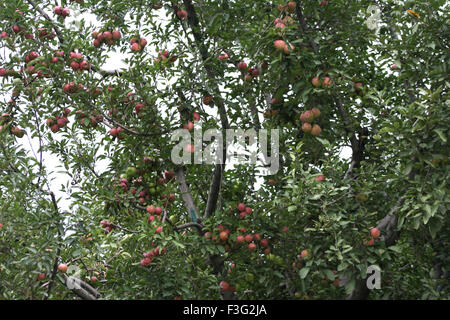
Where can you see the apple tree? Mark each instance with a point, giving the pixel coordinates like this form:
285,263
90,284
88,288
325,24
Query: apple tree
93,206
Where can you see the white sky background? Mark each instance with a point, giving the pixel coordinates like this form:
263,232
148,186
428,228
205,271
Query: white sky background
114,62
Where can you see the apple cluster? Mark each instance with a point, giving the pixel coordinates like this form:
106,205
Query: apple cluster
5,119
324,83
108,37
309,116
108,226
87,120
58,54
138,44
43,33
77,62
149,256
249,73
72,87
31,67
375,233
284,47
165,55
64,12
281,23
116,132
58,122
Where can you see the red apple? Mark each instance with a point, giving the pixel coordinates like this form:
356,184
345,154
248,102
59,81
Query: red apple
375,233
304,254
223,236
316,82
242,66
279,45
62,268
306,127
182,14
224,286
316,130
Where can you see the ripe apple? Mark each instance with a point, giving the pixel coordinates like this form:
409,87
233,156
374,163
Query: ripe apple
135,47
62,268
306,127
223,57
240,239
158,210
116,35
241,207
251,246
316,130
316,82
248,210
182,14
146,262
326,82
280,26
223,235
142,42
307,116
94,279
316,112
40,276
248,238
159,230
291,6
279,45
264,243
304,254
224,286
65,12
369,243
242,66
375,233
320,178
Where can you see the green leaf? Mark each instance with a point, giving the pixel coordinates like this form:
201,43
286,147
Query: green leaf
396,249
304,272
441,134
